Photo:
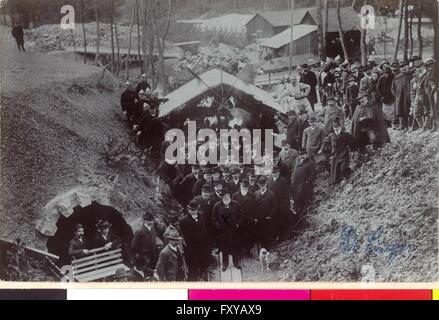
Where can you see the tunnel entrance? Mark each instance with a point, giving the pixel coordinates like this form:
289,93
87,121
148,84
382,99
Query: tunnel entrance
88,217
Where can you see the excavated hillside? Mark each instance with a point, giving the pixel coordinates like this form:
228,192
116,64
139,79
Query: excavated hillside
380,225
61,130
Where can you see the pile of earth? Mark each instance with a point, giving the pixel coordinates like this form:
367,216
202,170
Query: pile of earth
379,225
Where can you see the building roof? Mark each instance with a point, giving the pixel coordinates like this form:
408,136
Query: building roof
210,80
282,18
284,38
350,20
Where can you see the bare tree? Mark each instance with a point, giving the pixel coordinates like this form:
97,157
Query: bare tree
340,31
321,46
398,37
412,40
406,30
98,31
112,34
127,72
325,22
83,31
116,35
420,41
363,43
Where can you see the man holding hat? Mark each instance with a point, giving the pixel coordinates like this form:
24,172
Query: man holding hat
146,242
228,218
171,264
195,234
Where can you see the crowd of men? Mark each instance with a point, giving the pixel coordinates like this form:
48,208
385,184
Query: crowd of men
233,208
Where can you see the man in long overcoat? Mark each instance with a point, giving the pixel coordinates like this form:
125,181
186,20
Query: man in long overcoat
402,92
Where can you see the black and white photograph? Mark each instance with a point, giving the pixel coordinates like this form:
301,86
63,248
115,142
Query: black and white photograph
219,141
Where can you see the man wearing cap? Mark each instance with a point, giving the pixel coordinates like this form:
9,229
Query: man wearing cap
77,247
104,238
385,95
309,77
228,218
313,137
171,264
265,212
401,91
146,243
143,84
127,101
196,237
247,202
331,113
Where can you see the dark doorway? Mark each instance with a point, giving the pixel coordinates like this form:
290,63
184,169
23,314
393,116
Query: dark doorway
88,217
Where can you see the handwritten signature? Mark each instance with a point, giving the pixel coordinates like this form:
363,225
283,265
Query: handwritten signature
374,244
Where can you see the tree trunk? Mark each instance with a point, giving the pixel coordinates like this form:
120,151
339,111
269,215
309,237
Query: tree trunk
98,31
116,34
74,44
138,34
83,31
325,24
340,31
363,44
144,10
435,19
321,46
112,35
420,41
412,41
406,30
398,37
127,72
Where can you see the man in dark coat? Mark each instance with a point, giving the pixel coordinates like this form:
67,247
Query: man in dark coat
234,183
77,247
253,181
127,101
402,93
104,238
368,125
171,264
384,90
205,202
186,185
265,212
198,250
351,96
302,183
228,218
18,34
247,202
146,243
279,186
143,84
312,140
338,145
309,77
205,179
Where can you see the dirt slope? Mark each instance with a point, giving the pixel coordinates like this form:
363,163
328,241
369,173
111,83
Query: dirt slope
380,225
56,118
